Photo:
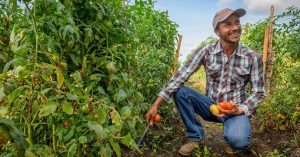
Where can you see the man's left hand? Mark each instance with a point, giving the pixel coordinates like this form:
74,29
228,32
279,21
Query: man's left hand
234,111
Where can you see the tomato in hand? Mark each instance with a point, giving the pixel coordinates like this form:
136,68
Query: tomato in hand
156,118
226,105
214,109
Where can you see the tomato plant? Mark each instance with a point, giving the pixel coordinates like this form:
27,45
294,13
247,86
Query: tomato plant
284,97
82,72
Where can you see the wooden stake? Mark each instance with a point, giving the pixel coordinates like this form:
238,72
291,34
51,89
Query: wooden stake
266,44
177,54
270,55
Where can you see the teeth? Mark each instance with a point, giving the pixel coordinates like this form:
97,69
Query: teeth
234,33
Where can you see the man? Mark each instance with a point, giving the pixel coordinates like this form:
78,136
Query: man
229,67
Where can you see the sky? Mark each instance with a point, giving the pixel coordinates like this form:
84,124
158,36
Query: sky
194,17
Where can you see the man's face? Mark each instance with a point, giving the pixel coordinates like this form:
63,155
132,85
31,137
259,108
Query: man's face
230,30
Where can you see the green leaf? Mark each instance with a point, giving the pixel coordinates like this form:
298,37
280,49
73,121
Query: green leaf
82,139
115,117
10,63
44,91
77,76
206,151
17,70
116,147
97,76
98,129
103,152
101,113
72,96
108,150
125,77
35,106
60,6
125,112
3,111
101,90
16,93
67,108
59,76
29,154
7,87
48,109
69,135
128,141
120,96
75,59
52,98
72,150
16,135
2,94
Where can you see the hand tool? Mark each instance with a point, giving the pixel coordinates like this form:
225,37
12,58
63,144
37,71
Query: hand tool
155,119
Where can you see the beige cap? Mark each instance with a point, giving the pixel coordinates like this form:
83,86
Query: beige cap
225,13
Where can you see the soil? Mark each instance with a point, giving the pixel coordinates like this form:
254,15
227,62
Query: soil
164,139
161,141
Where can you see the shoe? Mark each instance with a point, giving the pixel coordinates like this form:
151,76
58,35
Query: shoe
188,147
230,150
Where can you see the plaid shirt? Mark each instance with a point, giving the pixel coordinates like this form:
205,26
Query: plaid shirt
226,78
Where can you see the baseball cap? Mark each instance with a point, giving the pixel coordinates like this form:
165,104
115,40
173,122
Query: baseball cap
225,13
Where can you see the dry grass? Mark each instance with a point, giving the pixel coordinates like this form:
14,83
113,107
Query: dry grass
198,80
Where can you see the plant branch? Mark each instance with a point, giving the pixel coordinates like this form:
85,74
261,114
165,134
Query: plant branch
33,15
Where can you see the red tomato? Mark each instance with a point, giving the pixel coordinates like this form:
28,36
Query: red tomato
226,105
66,124
156,118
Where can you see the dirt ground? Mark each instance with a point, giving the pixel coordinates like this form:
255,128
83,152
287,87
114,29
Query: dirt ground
163,140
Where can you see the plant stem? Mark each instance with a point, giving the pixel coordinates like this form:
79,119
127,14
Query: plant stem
106,33
53,138
34,27
29,134
28,126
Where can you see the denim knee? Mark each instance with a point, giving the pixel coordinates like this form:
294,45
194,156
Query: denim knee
238,142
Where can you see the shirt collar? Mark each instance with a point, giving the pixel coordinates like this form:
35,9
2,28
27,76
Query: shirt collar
219,48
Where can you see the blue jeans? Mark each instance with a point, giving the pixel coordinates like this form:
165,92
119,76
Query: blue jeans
237,129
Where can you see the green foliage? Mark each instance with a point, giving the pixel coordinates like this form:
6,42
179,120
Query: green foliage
276,153
284,97
83,72
10,14
287,33
9,131
253,35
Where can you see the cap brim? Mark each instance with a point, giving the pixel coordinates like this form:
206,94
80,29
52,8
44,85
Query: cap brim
239,12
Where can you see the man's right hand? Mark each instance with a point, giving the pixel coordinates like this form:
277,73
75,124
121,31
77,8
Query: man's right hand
153,110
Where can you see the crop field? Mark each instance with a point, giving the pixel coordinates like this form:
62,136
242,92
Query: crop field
78,76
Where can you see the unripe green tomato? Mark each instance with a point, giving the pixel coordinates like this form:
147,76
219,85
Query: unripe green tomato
84,109
130,80
150,81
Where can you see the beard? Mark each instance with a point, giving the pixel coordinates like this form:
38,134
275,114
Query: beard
232,36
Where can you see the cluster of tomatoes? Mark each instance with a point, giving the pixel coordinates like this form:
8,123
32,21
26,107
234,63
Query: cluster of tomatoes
224,105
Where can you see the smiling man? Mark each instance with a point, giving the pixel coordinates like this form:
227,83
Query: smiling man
229,66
